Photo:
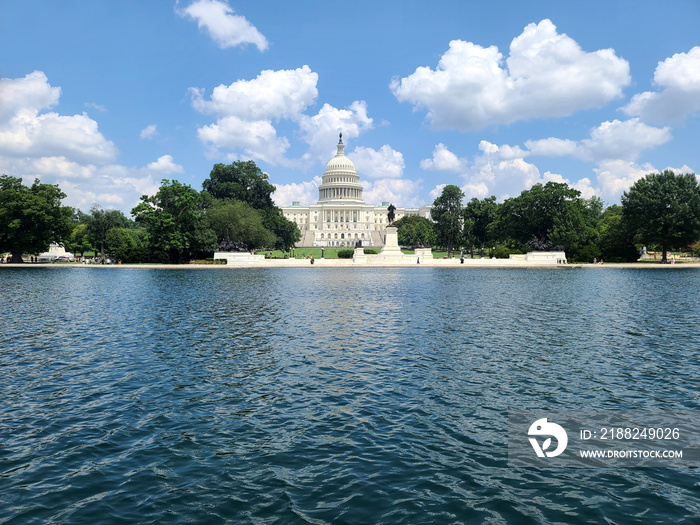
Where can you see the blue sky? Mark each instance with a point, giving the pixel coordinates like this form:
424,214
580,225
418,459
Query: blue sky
108,98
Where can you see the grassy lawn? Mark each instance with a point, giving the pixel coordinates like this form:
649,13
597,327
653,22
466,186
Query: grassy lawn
302,253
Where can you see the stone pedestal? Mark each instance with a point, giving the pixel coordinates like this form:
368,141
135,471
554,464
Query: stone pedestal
391,242
359,256
239,258
545,258
424,255
391,251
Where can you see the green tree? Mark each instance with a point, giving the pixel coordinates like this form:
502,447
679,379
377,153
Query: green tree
416,231
615,238
244,181
79,241
695,247
447,214
174,218
241,181
287,232
468,237
544,215
585,246
574,231
31,217
239,222
482,213
100,222
664,208
127,244
80,217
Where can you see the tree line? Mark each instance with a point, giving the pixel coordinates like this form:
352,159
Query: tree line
660,211
176,225
179,223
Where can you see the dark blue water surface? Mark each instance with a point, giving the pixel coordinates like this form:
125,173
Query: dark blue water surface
332,395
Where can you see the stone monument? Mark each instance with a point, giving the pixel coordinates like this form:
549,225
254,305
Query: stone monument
236,253
391,251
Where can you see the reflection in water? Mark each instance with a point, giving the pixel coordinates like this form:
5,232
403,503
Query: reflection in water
331,395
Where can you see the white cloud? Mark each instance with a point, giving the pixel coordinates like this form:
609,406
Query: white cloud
26,96
437,191
224,27
501,168
400,192
108,185
165,166
497,171
66,150
283,94
149,132
554,147
25,132
321,130
246,110
624,140
584,186
546,75
443,160
258,139
304,192
51,134
385,163
616,176
475,191
60,167
96,106
610,140
678,80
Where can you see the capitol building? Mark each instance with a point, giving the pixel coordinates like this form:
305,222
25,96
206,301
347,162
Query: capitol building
341,217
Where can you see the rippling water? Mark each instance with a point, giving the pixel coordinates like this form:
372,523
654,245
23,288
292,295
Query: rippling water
332,395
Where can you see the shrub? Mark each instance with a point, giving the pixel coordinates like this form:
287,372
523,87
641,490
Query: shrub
587,254
345,254
371,251
503,252
208,261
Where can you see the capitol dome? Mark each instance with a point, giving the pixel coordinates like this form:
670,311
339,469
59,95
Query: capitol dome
340,162
340,181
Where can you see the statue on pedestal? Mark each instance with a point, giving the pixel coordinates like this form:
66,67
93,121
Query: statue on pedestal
390,215
227,245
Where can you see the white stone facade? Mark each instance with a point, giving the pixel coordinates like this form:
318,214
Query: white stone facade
341,217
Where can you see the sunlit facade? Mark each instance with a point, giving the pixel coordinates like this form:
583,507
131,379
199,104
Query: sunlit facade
341,217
